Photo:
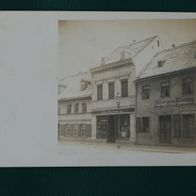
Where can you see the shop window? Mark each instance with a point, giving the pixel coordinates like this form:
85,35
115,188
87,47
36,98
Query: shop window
111,90
76,108
102,127
143,124
69,109
188,125
99,92
124,126
177,125
187,86
165,89
146,92
124,88
84,107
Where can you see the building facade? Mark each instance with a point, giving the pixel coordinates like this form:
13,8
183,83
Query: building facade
166,98
108,93
74,108
113,94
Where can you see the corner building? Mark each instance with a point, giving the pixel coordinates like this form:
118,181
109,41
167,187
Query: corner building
166,98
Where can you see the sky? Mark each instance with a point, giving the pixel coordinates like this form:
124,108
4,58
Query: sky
83,43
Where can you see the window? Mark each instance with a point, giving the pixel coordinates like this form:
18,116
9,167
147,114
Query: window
187,86
111,90
124,88
99,92
69,109
165,89
124,126
146,92
143,124
84,107
83,129
188,125
177,125
76,108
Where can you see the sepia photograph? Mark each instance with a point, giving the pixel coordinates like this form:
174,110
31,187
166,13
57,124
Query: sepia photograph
127,88
97,89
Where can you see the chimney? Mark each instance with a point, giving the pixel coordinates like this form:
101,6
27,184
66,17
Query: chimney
102,60
122,55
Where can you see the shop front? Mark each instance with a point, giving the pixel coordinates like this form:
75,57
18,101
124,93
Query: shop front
113,126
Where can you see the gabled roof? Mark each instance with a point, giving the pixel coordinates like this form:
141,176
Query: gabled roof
171,60
130,50
72,87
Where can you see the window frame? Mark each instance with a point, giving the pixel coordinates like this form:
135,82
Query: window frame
84,104
76,111
183,86
140,124
169,85
111,84
190,134
143,92
69,109
99,92
123,94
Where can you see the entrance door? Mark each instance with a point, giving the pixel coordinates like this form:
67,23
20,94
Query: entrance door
165,129
112,128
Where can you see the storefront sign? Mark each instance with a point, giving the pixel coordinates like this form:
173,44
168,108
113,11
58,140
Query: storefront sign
176,102
114,111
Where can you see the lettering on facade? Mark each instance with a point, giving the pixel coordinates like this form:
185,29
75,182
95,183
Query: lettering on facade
114,111
175,102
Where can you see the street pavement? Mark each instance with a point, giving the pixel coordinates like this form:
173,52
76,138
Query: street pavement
88,154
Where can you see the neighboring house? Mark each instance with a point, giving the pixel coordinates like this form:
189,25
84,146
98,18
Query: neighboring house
74,107
113,94
166,98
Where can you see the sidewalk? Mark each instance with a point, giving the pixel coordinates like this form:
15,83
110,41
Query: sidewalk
162,149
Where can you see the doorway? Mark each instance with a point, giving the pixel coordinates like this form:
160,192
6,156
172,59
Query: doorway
112,128
165,129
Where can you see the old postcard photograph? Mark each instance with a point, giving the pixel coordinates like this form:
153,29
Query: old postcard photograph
98,89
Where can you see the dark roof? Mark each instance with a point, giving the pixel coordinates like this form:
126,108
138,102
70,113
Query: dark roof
171,60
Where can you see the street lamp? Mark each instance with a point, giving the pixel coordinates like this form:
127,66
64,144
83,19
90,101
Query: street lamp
118,106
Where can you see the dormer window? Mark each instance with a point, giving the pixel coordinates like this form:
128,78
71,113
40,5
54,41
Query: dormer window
160,63
84,84
157,43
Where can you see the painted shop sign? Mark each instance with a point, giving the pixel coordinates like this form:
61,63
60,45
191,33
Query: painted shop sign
176,102
114,111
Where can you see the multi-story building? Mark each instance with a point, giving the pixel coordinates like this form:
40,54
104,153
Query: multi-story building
166,98
74,107
113,93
